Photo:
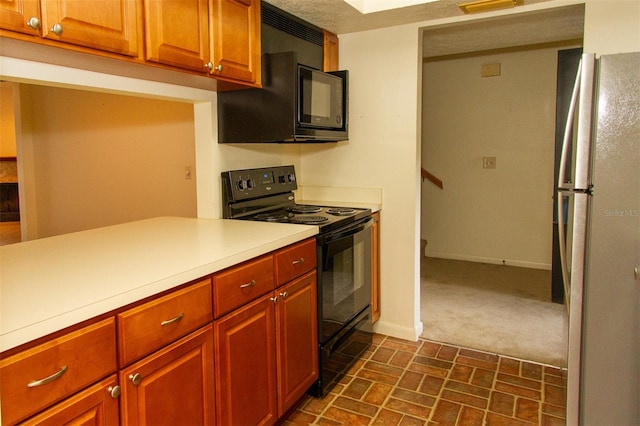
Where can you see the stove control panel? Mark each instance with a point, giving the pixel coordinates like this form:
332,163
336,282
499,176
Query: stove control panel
252,183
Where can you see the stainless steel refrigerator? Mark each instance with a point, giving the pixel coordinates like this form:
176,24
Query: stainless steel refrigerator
599,227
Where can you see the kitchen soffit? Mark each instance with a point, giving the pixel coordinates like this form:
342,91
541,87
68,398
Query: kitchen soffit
520,29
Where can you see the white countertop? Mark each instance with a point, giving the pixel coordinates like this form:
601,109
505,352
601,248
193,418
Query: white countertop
52,283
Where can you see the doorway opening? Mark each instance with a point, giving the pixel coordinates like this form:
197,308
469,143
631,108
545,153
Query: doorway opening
488,122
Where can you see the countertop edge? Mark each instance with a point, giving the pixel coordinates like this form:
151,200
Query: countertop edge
237,253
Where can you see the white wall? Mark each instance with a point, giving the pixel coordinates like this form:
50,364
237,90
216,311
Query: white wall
490,215
382,152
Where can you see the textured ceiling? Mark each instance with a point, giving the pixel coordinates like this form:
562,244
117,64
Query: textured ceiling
550,25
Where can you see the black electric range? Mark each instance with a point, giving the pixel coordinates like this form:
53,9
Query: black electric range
266,194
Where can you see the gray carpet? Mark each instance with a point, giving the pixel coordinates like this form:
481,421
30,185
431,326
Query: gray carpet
494,308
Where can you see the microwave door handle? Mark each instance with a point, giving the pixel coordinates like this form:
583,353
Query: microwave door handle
567,139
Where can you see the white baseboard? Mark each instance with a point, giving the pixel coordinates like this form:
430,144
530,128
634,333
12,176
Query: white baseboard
479,259
394,330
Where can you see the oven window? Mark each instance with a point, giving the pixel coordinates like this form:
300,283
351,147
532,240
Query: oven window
345,279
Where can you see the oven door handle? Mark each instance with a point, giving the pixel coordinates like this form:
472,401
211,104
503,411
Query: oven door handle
347,231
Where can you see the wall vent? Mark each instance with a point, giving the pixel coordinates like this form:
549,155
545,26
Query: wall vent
289,24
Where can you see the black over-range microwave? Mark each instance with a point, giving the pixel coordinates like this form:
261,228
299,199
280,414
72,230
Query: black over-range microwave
297,103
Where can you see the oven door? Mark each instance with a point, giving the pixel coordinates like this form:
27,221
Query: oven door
344,280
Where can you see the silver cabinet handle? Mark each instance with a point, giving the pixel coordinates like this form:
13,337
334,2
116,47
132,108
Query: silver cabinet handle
249,284
284,294
33,22
209,65
172,320
218,67
274,299
114,391
56,29
49,379
299,261
636,273
136,378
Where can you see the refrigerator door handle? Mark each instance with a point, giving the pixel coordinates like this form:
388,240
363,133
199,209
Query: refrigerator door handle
563,248
566,141
582,179
564,185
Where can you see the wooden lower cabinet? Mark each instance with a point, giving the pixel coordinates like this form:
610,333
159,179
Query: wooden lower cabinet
172,386
35,379
245,367
96,405
297,341
375,268
266,354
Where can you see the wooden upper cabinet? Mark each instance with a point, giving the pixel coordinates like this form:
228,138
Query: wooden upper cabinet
105,25
20,15
331,52
177,33
235,44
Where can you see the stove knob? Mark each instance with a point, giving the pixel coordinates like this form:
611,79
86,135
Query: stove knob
250,184
282,179
242,185
292,178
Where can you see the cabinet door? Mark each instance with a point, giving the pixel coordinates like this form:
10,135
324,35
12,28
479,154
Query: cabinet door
375,265
297,331
246,365
177,33
236,39
104,25
96,405
18,15
330,60
173,385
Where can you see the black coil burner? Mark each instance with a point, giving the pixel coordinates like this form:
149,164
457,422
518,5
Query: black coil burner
302,209
341,211
273,217
309,220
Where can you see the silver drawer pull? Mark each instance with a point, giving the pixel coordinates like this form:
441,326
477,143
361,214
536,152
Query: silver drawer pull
49,379
249,284
299,261
172,320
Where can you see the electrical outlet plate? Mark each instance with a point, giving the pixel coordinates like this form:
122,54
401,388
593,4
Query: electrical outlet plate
488,162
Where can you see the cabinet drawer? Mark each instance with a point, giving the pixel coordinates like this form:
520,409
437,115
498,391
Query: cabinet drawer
40,376
241,284
295,260
148,327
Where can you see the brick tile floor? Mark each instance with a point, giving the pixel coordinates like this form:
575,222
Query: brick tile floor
399,382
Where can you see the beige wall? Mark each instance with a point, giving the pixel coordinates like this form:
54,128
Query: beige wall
490,215
94,159
7,124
